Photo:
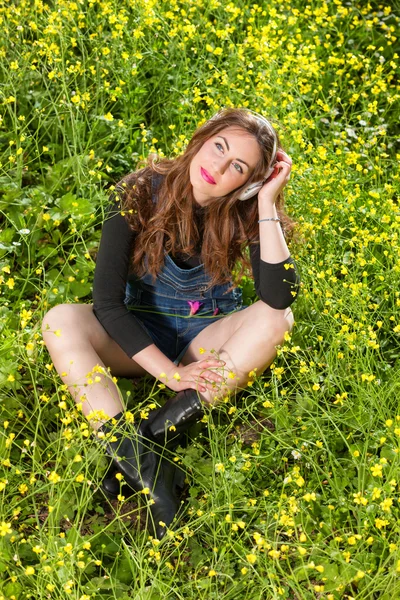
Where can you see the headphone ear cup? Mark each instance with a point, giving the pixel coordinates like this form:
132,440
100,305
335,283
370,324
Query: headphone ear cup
251,191
254,188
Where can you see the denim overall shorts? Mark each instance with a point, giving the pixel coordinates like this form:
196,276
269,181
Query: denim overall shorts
177,306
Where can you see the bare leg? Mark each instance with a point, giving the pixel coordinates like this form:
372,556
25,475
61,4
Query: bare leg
245,340
81,351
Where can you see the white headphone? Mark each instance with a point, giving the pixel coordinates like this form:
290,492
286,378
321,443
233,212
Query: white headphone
255,187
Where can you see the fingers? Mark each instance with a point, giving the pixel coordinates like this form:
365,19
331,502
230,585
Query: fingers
202,385
282,169
283,165
193,385
210,379
215,362
284,157
210,375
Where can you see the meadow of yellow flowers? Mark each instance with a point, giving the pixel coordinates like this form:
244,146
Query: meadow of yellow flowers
293,489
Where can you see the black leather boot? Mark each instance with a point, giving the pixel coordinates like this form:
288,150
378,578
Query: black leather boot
139,459
165,426
110,484
175,417
144,470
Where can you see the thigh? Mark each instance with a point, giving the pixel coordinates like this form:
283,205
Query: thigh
111,353
259,315
80,324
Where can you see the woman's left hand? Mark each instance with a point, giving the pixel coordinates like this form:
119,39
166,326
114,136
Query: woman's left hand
277,181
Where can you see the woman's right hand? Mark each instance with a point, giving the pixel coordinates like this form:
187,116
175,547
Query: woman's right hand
198,375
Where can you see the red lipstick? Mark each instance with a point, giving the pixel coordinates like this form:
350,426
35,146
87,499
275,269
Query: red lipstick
206,176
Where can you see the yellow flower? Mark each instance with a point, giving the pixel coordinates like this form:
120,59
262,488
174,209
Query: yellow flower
5,528
376,493
212,573
309,497
360,574
29,571
108,117
386,505
53,477
177,377
380,523
252,558
352,540
376,470
129,416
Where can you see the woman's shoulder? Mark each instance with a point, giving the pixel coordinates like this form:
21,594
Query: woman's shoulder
139,179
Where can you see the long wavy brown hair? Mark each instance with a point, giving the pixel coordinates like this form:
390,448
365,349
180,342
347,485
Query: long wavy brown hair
169,225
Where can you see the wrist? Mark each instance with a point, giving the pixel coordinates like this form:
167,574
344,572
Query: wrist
267,210
155,362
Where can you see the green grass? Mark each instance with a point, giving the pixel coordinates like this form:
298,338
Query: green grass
292,487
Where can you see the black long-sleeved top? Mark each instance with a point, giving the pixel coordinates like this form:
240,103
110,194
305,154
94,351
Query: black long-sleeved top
274,283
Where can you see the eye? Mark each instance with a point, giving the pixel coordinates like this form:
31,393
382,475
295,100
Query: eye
237,164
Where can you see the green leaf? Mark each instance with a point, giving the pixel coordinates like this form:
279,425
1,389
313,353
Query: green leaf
75,207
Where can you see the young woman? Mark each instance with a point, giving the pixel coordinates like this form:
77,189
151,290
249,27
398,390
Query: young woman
164,300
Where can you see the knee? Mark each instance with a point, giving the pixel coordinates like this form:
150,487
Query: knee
59,318
275,323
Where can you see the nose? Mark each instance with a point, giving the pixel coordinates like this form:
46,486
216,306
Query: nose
220,165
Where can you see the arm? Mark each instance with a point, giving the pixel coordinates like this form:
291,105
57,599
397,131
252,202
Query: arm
275,275
110,276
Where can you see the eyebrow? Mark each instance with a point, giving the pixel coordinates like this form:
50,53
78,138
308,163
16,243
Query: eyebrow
227,145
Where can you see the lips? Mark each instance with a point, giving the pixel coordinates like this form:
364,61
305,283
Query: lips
206,176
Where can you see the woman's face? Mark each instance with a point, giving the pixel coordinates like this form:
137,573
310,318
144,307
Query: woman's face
223,163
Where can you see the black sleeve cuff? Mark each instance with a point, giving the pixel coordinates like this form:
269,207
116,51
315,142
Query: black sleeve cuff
276,284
